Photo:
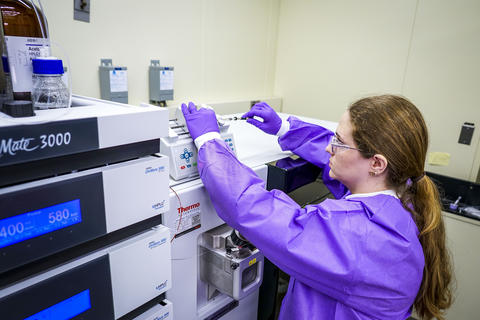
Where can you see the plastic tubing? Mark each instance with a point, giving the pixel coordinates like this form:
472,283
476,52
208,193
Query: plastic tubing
58,45
69,73
44,21
38,17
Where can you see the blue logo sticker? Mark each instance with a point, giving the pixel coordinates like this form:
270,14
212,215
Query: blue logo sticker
154,169
158,205
154,244
162,285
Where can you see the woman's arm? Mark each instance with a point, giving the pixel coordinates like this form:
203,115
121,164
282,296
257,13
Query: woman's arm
309,142
317,244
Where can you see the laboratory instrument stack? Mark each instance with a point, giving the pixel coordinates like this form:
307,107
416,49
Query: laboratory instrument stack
81,227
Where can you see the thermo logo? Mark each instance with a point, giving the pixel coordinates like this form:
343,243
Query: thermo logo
162,285
188,208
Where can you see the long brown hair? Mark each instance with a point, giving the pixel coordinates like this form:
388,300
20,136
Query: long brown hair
392,126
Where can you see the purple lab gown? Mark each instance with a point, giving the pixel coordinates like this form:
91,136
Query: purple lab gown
350,258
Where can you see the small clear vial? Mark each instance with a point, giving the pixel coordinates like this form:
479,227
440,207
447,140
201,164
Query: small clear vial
49,90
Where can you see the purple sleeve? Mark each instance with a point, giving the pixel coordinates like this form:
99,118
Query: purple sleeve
318,245
309,141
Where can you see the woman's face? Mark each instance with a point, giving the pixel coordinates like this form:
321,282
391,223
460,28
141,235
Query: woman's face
347,165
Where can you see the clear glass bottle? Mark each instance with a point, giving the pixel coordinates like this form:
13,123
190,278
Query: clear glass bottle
49,90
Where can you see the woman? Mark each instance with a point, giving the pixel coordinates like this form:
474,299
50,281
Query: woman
375,251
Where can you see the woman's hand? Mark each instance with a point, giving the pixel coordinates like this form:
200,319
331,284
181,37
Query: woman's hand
199,121
271,121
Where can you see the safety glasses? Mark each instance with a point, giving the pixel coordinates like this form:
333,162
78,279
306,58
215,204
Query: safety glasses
337,145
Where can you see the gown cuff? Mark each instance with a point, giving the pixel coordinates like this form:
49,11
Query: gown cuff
200,140
283,128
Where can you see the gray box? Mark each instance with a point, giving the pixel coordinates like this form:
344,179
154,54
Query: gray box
160,83
81,10
113,82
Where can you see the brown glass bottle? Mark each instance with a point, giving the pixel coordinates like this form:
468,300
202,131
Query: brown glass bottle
23,38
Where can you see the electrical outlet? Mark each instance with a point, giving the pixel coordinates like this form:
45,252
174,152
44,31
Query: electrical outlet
253,102
81,10
466,133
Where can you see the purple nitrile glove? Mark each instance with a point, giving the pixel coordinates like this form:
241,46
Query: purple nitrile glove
199,121
271,121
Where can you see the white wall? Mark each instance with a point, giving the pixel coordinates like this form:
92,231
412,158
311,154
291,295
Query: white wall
443,78
221,49
331,53
319,56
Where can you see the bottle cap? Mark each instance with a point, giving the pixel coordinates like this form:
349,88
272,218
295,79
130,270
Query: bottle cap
18,108
49,65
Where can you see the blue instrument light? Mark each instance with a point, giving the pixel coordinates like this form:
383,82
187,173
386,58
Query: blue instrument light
36,223
66,309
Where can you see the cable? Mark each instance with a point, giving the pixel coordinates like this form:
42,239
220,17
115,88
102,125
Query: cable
69,70
44,20
38,18
181,214
69,73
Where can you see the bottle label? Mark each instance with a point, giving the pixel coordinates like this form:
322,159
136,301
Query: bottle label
21,51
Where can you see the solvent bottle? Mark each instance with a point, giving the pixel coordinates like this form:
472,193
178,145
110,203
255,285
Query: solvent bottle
22,29
49,90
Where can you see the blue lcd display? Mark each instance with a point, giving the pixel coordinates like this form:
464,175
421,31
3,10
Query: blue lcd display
66,309
35,223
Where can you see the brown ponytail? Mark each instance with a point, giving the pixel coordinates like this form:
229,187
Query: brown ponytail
392,126
435,294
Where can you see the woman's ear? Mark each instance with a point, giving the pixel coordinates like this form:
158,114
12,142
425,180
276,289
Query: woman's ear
378,164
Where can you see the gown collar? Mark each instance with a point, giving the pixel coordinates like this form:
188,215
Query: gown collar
389,192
